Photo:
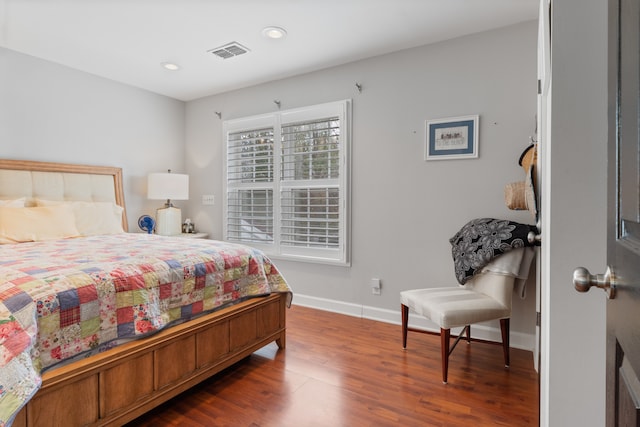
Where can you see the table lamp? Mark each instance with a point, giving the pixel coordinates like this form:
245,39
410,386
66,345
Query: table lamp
168,186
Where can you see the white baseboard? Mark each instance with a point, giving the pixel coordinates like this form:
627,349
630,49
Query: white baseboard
517,339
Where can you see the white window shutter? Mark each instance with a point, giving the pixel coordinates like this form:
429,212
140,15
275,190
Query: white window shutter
287,183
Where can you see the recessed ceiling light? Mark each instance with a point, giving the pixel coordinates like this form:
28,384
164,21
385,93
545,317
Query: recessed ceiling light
171,66
274,32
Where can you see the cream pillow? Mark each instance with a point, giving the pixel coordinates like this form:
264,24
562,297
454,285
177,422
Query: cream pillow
92,218
15,203
37,223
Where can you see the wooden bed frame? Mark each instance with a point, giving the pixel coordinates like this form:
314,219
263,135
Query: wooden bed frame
118,385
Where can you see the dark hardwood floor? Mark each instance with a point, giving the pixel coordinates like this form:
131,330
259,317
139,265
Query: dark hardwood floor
344,371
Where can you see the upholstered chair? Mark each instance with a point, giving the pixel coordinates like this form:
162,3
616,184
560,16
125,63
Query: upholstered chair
486,296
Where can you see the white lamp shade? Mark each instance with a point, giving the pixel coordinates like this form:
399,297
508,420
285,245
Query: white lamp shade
164,186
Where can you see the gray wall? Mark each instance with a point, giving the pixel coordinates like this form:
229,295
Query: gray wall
53,113
404,209
573,387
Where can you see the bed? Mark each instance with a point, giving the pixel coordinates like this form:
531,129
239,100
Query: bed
97,325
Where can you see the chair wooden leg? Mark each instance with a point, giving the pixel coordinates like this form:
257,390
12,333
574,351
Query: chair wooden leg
504,328
405,322
445,336
468,334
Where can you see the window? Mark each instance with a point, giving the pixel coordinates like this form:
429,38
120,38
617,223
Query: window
287,182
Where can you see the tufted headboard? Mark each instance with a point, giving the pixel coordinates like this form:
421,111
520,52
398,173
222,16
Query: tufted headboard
61,181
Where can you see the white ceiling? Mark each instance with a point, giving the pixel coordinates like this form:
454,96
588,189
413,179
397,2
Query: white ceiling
126,40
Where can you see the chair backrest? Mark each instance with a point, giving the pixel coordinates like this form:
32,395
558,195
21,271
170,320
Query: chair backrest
497,278
495,285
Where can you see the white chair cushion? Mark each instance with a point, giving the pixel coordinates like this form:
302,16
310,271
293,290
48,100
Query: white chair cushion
452,307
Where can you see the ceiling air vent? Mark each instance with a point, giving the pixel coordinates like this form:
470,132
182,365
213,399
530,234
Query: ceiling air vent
229,50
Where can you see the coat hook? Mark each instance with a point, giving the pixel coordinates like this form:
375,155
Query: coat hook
219,114
277,102
359,86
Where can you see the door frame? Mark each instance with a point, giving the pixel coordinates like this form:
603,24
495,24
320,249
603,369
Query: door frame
573,324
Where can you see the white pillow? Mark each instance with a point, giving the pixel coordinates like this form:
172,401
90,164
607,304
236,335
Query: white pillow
36,223
15,203
93,218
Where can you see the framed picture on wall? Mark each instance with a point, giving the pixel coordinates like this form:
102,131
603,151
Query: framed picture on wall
452,138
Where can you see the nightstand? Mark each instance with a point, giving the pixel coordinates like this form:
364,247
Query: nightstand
193,235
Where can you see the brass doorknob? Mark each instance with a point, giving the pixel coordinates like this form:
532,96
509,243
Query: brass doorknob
583,280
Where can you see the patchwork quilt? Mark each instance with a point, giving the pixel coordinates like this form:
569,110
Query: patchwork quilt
62,299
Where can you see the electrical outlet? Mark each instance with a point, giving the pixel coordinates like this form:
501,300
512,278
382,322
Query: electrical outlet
375,286
208,199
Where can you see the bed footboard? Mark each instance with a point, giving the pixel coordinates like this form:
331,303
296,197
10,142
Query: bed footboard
116,386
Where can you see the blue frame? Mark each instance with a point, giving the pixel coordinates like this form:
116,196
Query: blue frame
463,136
